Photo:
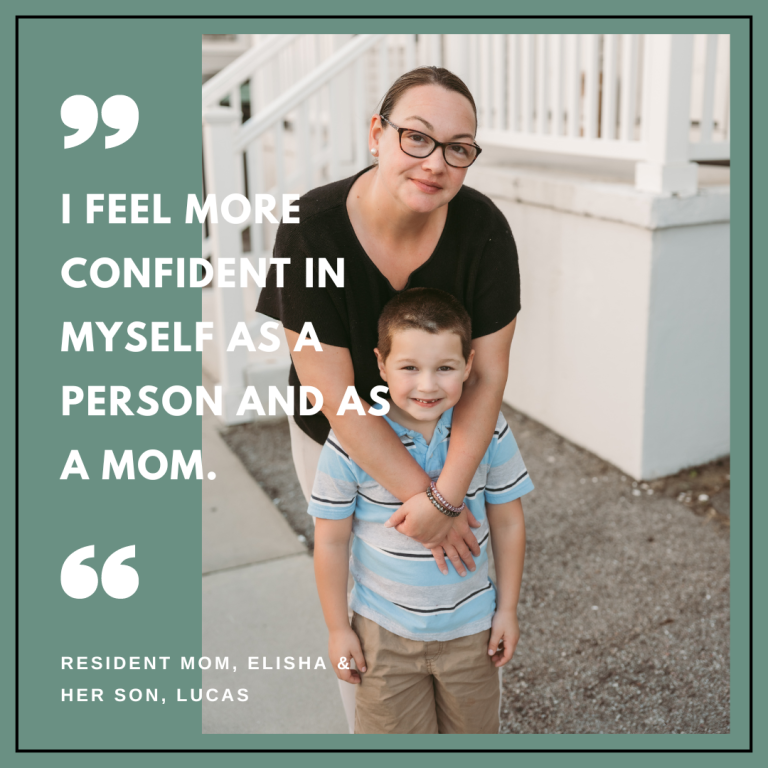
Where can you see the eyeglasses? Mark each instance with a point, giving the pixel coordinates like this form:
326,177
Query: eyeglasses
418,144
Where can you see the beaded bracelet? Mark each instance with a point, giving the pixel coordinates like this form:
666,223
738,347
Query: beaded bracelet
438,506
442,500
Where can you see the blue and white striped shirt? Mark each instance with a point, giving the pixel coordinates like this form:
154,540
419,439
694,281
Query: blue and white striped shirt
397,583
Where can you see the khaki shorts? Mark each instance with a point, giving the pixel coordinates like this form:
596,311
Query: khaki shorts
413,686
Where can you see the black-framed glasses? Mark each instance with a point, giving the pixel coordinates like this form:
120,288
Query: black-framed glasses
418,144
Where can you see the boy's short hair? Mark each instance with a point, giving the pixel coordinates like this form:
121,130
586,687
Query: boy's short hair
424,309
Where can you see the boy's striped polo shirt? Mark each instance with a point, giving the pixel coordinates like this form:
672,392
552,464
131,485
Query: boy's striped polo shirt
397,582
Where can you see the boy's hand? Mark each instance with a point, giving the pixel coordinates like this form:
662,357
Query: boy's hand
505,632
343,646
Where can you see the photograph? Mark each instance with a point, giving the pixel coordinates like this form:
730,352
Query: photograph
467,370
447,321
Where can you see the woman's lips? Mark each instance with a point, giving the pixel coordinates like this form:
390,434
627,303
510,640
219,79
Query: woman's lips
425,186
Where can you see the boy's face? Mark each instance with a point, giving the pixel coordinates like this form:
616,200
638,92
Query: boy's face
425,372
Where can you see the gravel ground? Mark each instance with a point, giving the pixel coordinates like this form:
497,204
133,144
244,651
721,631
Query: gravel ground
624,610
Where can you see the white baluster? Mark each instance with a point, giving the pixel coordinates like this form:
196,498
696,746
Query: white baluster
628,87
608,111
464,67
527,71
708,101
359,121
312,51
300,58
574,88
497,68
483,93
333,102
439,39
513,81
234,101
323,135
383,68
592,43
425,54
285,70
542,78
279,165
558,85
646,94
410,52
722,87
304,148
315,132
474,64
256,184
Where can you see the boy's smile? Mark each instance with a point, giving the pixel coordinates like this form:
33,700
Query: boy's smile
425,373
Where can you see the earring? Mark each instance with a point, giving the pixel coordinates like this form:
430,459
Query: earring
374,151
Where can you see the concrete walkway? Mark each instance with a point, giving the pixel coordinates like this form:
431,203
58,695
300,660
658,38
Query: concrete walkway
256,574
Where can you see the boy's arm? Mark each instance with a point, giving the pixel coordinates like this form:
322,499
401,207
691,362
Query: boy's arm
507,526
331,574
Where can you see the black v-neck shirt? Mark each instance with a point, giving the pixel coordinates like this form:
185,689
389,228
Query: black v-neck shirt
475,260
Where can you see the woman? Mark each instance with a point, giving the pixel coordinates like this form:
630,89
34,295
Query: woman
406,221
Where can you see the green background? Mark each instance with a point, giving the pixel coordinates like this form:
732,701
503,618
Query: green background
157,63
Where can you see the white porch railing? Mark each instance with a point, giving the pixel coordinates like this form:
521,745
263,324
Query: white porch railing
597,95
260,75
268,69
660,101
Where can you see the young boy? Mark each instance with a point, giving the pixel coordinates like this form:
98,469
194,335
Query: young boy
426,645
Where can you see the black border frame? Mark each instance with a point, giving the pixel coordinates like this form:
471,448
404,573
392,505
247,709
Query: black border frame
749,17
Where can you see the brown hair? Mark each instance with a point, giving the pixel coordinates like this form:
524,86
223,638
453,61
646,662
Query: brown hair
424,76
425,309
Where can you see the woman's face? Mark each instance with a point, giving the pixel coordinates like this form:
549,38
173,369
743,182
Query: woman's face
423,184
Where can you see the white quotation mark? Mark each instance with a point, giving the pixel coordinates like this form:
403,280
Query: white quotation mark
80,112
80,581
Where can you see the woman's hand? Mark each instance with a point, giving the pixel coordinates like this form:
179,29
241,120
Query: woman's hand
505,632
343,646
449,537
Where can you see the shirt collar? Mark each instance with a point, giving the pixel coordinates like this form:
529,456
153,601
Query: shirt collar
443,424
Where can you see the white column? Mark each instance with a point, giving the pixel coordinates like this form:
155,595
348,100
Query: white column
667,169
221,172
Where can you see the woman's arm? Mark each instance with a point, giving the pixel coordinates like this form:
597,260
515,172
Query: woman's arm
331,574
475,415
474,419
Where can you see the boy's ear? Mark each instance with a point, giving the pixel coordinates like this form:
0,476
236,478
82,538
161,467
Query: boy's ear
380,361
469,364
